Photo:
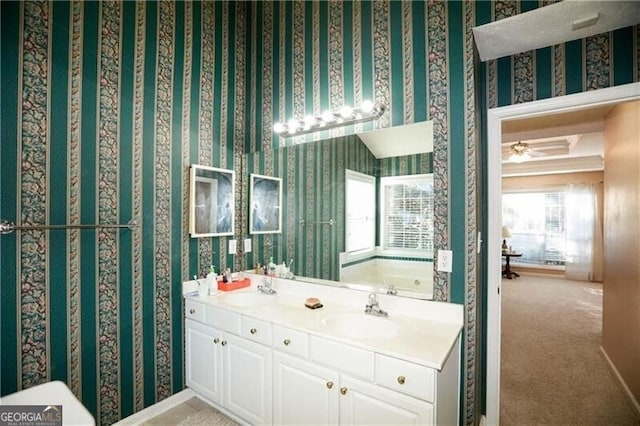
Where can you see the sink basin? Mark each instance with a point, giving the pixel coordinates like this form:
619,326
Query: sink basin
246,300
361,325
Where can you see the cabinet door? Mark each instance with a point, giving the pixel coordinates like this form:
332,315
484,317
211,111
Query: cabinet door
365,403
303,392
203,360
247,371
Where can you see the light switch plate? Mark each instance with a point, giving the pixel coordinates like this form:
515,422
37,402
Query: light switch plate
232,247
445,260
247,245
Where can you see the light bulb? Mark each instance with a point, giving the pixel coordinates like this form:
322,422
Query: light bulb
309,121
366,106
293,124
328,117
346,111
278,127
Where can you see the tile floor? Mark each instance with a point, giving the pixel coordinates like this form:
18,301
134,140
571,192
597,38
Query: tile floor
175,415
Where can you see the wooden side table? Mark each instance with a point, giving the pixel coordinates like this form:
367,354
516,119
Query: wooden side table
507,272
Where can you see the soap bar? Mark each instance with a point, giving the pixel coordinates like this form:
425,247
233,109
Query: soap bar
313,303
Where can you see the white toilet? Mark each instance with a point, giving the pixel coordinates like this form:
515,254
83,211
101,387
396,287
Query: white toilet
53,393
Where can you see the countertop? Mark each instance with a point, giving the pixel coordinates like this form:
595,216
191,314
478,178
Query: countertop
427,330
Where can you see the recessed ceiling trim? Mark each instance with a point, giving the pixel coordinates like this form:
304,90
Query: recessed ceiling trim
557,166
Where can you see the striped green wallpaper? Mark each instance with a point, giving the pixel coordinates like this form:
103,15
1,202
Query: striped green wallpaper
105,104
104,107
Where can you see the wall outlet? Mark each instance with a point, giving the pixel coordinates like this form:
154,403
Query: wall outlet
445,261
233,249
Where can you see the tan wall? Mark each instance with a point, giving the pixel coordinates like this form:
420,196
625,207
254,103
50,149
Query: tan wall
621,303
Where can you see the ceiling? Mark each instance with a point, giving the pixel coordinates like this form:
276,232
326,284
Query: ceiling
553,24
571,142
395,141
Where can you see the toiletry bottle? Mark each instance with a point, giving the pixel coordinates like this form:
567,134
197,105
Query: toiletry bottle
283,270
211,280
272,267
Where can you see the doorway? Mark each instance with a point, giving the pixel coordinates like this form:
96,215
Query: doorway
495,117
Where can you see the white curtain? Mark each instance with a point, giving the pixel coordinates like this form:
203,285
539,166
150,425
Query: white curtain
581,211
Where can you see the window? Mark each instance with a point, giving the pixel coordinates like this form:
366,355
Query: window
360,209
537,221
407,213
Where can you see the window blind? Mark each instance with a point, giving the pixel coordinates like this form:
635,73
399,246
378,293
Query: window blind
407,221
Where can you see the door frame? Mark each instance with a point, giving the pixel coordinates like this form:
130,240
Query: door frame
495,116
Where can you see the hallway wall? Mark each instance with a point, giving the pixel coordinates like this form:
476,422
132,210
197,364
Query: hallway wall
621,304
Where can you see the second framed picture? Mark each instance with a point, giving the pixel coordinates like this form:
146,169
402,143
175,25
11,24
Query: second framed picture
265,205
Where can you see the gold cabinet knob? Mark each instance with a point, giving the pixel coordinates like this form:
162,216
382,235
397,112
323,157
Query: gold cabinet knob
343,391
401,379
253,331
287,342
216,340
224,343
192,311
329,385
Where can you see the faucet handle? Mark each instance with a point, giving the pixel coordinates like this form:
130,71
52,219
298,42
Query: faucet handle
373,299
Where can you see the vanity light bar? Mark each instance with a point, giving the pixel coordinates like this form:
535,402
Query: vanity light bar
329,119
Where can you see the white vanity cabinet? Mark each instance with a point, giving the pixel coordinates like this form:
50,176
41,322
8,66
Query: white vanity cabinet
231,371
280,366
321,388
203,361
306,393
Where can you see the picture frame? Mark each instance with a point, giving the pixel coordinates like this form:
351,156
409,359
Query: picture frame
211,201
265,206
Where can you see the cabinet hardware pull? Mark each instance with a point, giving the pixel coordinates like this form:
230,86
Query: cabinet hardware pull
287,342
192,311
329,385
401,380
253,331
343,391
224,343
216,340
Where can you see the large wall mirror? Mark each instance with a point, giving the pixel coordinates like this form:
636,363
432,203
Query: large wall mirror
357,210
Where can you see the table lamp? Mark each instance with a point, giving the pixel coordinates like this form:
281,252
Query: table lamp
506,233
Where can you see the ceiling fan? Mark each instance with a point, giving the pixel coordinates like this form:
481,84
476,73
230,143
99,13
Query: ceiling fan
521,151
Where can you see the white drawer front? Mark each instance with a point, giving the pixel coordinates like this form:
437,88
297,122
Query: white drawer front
194,310
407,377
256,330
290,341
355,361
223,319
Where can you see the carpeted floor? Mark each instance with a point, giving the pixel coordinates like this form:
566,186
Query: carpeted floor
552,369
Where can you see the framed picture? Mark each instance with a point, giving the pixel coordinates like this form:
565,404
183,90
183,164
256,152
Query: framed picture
265,212
211,201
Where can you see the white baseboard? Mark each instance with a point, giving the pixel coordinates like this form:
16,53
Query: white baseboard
155,409
634,401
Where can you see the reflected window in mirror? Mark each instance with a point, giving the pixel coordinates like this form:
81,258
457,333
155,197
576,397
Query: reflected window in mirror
360,212
406,225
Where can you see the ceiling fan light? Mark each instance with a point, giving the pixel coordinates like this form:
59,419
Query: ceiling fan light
519,158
